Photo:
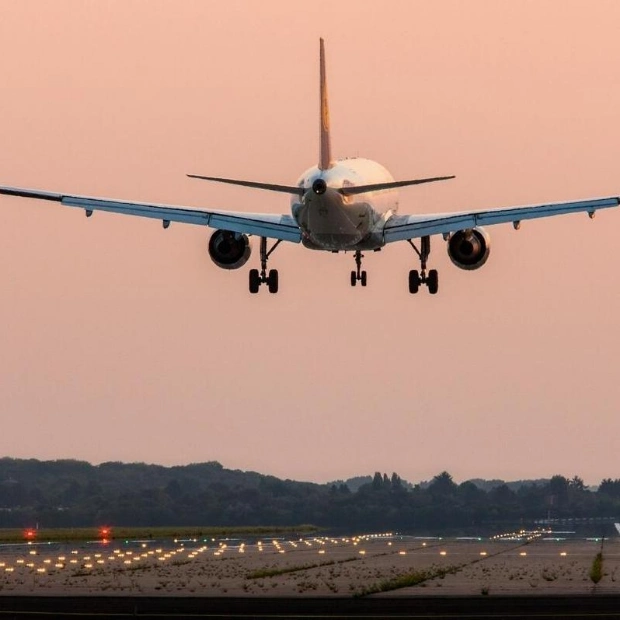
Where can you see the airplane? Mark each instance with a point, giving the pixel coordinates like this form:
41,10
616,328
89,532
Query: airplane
339,205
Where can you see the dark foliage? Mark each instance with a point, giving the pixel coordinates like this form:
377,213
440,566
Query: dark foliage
71,493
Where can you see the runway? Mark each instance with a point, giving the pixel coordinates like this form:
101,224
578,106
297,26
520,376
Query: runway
370,576
509,607
374,565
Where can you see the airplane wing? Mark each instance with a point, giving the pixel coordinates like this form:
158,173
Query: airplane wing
402,227
268,225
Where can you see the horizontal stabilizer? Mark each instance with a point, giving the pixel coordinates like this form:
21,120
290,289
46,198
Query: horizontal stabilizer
362,189
285,189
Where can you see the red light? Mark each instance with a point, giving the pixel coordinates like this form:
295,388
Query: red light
105,532
30,534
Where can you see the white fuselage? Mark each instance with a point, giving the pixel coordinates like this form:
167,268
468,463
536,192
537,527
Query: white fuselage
332,221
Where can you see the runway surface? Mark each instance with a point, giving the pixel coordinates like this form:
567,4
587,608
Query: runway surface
513,575
320,607
393,564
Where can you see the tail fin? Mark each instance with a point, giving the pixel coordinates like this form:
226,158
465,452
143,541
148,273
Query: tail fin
325,153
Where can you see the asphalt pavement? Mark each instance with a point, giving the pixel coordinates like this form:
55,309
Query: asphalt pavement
497,607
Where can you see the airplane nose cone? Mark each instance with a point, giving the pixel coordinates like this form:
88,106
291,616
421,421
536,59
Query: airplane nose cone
319,186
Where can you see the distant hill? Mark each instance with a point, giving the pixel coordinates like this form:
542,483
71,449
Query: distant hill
70,493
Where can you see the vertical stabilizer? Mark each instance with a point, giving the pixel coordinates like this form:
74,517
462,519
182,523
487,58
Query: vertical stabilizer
325,154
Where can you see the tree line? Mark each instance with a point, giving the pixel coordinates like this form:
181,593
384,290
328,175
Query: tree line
70,493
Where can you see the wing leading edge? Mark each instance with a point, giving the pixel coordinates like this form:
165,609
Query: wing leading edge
284,227
269,225
402,227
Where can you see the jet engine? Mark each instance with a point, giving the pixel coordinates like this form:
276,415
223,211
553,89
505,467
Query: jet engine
229,250
469,249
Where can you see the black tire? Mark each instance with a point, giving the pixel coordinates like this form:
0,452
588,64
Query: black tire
414,281
353,278
273,281
254,281
433,282
364,278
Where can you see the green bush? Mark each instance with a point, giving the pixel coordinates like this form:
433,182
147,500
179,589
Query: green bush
596,572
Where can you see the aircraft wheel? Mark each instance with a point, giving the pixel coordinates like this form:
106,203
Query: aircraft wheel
273,281
353,278
363,278
414,281
433,282
254,281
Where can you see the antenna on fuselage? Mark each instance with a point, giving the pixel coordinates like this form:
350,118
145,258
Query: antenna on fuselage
325,150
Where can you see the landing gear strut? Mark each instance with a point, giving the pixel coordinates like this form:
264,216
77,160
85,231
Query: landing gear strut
270,279
358,275
417,278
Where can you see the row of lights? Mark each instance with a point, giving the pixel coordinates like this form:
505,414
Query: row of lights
128,557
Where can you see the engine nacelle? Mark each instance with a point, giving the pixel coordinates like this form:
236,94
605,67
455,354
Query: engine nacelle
229,250
469,249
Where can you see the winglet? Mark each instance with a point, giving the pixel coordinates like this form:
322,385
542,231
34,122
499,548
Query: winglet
325,153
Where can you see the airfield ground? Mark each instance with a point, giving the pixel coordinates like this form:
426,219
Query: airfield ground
378,566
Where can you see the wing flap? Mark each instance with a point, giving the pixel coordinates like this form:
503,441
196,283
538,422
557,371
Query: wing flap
399,228
269,225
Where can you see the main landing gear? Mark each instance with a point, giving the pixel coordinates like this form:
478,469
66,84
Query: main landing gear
417,278
358,275
270,278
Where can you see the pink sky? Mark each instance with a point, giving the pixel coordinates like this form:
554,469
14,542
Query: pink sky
122,341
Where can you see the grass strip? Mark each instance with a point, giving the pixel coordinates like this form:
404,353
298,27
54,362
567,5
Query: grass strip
274,572
408,580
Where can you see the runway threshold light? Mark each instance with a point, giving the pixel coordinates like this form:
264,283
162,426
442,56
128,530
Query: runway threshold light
105,533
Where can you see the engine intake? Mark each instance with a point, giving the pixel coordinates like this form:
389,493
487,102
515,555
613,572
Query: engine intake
229,250
469,249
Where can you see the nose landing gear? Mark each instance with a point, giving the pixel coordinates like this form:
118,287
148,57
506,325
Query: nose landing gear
271,278
418,278
358,275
